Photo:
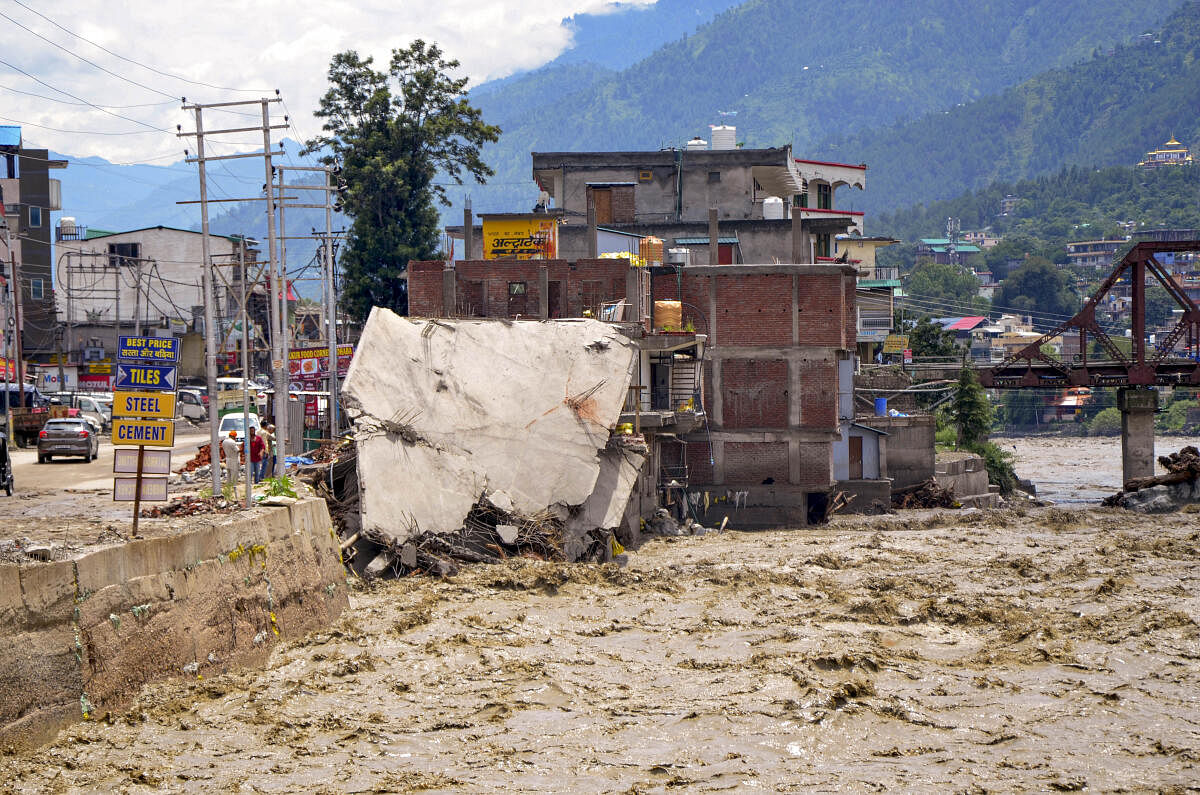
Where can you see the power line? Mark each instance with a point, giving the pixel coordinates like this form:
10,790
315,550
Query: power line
81,99
74,132
134,62
85,60
68,102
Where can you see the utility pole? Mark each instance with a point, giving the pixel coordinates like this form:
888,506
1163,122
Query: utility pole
16,271
245,372
278,365
330,300
283,404
206,271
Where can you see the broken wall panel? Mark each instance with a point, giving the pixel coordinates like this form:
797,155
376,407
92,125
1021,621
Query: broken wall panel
447,412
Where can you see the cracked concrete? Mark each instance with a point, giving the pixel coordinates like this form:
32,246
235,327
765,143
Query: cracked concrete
448,412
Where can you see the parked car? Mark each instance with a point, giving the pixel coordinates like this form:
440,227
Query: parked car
234,422
68,436
89,406
189,404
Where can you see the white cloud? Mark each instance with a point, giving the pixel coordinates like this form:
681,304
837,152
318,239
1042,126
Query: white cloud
262,46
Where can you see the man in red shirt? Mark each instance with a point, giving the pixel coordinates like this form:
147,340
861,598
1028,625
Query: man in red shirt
258,449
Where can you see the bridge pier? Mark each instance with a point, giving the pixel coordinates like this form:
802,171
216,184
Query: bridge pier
1137,431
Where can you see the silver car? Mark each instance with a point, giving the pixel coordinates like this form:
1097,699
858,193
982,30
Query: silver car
74,436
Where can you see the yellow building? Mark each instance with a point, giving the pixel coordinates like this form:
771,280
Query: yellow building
1172,153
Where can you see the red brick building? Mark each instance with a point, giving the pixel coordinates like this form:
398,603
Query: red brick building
777,341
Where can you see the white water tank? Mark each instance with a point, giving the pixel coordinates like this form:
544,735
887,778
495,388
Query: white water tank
681,257
697,145
67,224
724,136
773,208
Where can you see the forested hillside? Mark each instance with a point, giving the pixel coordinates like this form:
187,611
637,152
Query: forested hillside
800,72
1109,110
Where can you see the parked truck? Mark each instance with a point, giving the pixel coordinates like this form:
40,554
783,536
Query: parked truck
30,411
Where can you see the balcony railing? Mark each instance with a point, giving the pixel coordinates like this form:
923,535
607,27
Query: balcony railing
875,322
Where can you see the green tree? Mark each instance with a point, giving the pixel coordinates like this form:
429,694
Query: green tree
926,338
949,285
392,132
1021,407
970,410
1040,289
1106,423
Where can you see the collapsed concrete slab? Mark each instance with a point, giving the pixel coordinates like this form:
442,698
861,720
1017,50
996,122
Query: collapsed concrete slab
451,415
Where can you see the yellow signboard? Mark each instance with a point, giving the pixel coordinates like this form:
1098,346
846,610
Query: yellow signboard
520,238
895,343
148,433
158,405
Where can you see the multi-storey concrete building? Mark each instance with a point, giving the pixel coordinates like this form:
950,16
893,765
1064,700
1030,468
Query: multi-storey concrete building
30,195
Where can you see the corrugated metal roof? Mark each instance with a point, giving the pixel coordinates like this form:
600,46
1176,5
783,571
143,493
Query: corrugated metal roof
960,323
10,135
703,241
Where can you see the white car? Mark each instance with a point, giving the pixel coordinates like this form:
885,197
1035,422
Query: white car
235,422
190,405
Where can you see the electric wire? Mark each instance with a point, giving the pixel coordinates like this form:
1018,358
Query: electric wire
85,60
81,99
134,62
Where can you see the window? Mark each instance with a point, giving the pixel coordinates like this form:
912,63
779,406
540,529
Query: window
800,200
123,253
37,289
714,176
823,245
516,288
35,217
824,197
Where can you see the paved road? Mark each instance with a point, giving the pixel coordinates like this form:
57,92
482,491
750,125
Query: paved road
63,474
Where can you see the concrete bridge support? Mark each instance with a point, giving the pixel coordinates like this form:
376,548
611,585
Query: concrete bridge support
1137,431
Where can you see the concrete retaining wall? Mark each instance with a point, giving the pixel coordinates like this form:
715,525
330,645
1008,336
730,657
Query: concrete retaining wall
966,475
80,637
909,447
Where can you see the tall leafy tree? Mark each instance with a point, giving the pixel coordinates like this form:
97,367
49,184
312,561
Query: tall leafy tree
950,286
392,132
1041,289
970,409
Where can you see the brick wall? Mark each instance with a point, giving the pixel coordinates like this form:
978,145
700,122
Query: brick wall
817,380
756,462
754,309
754,393
425,288
816,466
622,204
820,310
483,287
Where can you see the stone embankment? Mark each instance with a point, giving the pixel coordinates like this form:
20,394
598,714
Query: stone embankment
80,637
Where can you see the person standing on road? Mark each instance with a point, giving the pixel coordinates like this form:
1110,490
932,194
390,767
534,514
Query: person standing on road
229,446
268,463
258,452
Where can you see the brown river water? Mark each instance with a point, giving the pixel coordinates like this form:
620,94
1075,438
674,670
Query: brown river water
1010,650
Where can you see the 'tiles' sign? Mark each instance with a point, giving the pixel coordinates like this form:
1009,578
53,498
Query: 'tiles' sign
151,350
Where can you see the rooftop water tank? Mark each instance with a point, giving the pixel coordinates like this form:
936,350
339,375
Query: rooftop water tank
697,144
67,224
680,257
724,136
773,208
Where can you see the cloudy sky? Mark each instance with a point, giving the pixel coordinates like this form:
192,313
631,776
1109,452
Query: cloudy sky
232,51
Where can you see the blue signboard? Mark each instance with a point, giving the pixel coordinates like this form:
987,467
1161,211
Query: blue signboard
145,376
151,350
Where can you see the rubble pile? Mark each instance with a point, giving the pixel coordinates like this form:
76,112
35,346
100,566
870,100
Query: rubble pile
927,494
336,480
1180,485
202,458
191,505
466,429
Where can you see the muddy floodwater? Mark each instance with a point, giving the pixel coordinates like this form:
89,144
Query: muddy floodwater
1078,471
1006,650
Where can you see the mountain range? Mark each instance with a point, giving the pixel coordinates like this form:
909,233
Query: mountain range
938,97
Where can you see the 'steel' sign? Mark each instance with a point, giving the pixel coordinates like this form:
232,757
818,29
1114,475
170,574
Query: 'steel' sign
156,405
151,350
151,433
